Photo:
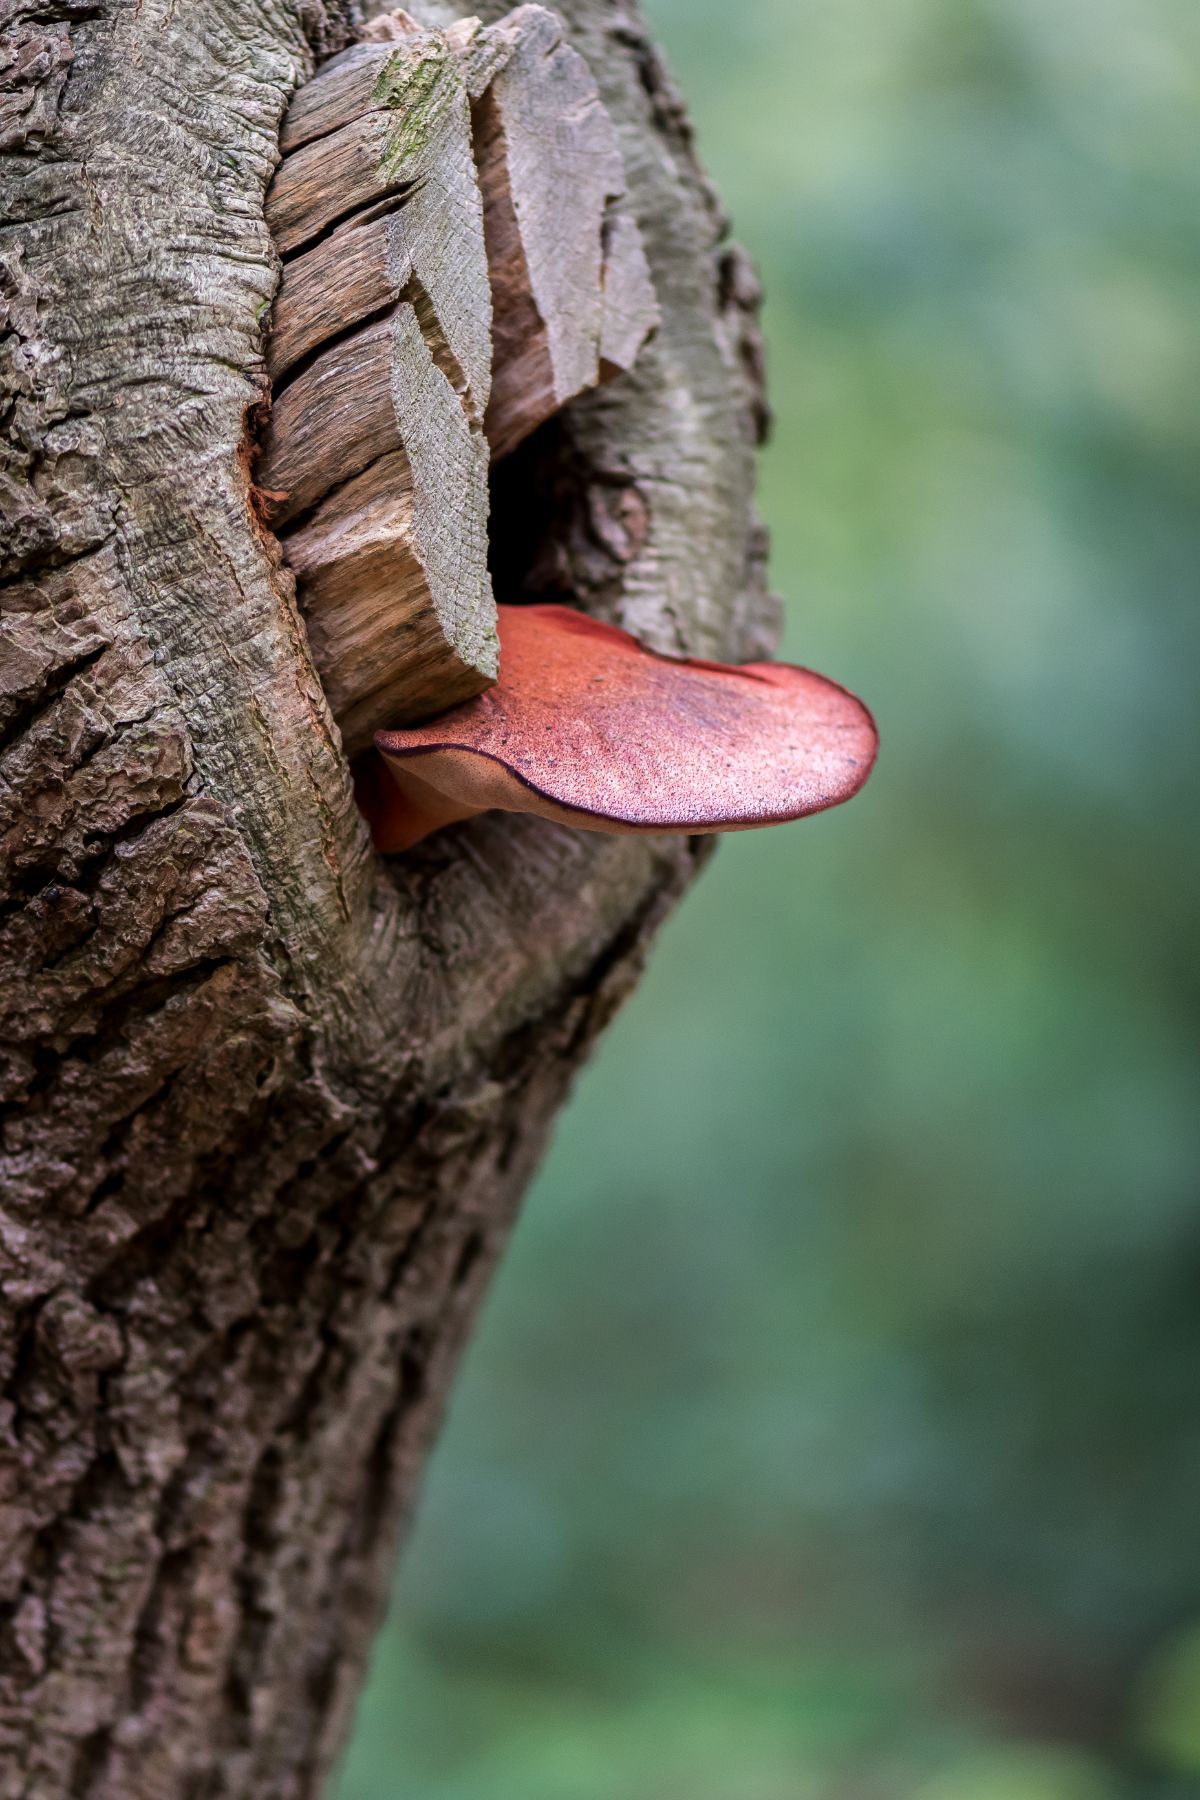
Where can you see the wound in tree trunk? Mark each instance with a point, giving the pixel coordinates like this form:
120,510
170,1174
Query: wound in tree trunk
571,288
458,263
375,462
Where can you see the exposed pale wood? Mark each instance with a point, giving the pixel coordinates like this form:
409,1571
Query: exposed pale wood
572,297
325,179
385,569
380,410
333,420
399,400
383,647
340,92
405,137
372,630
347,86
387,27
340,281
526,294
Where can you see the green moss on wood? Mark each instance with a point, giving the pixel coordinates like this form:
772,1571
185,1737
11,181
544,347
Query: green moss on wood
421,91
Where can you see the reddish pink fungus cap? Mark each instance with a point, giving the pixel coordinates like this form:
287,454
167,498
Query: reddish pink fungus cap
588,727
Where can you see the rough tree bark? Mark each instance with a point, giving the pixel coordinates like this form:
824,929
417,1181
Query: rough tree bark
269,1102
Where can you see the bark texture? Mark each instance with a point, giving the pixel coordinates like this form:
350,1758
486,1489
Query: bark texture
268,1102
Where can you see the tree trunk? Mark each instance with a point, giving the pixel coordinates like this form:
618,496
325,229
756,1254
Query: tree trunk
269,1101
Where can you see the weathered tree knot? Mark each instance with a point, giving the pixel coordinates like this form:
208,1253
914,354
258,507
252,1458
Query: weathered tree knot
459,262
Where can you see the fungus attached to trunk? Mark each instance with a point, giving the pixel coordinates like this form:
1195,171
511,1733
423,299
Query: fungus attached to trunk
589,728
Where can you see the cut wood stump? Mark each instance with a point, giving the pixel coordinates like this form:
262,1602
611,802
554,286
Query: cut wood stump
458,263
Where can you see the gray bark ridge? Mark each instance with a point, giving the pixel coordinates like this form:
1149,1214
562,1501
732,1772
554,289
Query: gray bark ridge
268,1104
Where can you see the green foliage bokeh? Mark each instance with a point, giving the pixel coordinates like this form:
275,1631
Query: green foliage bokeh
834,1429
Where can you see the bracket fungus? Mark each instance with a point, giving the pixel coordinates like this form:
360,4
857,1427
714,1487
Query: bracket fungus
588,727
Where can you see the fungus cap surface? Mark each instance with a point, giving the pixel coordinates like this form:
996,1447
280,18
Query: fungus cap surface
589,727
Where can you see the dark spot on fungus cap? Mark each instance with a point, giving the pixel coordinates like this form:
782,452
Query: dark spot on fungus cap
588,727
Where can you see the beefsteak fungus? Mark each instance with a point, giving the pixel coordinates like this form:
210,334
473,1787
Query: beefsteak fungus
589,728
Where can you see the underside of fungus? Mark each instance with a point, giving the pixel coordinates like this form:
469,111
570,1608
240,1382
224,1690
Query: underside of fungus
587,727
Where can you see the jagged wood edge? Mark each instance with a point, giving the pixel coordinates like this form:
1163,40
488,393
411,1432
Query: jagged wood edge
374,454
573,305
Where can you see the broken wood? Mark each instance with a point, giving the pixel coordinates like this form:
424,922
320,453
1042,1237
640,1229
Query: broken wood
451,216
572,297
374,462
391,625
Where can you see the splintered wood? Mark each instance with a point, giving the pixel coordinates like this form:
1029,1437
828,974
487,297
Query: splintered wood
458,263
570,284
381,358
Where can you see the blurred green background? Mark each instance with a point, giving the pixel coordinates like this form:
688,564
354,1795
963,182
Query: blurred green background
834,1428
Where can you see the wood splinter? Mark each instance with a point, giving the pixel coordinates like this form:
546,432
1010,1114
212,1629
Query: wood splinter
571,291
458,263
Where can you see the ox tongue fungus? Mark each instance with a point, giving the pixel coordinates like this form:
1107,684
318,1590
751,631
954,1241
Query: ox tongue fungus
587,727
